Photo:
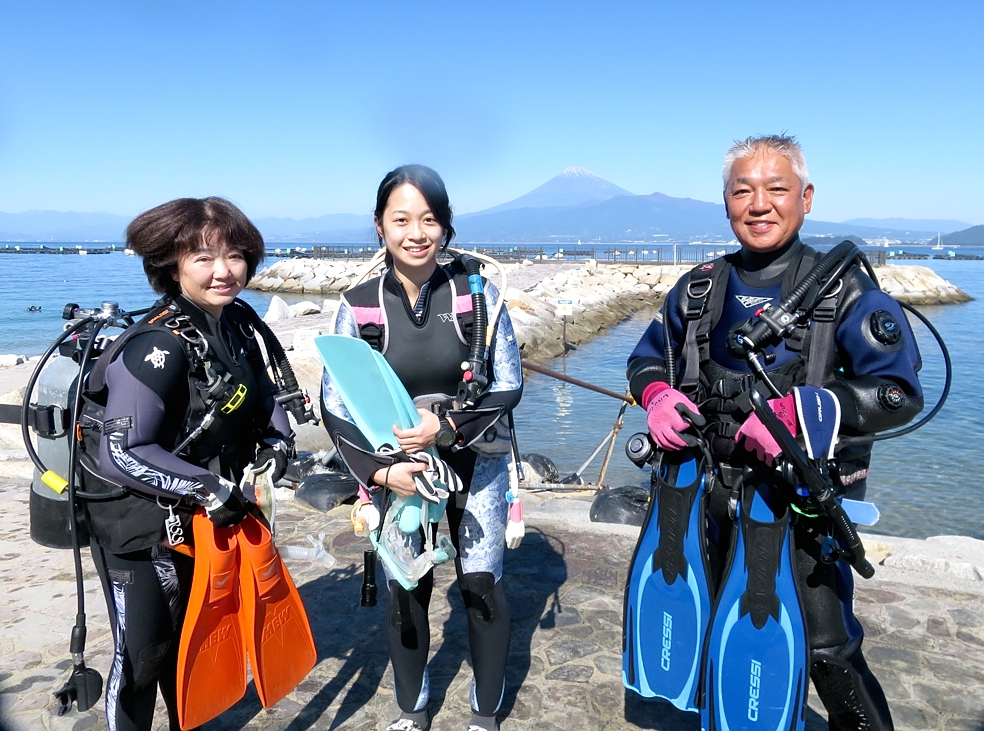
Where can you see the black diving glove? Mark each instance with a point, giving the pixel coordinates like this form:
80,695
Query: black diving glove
227,505
437,481
280,451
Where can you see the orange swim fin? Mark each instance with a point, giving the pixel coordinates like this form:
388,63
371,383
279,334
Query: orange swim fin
278,636
212,651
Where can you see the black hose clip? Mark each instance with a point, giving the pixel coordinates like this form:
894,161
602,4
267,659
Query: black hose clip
368,579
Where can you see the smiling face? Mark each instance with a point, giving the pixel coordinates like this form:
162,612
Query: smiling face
412,233
766,201
212,276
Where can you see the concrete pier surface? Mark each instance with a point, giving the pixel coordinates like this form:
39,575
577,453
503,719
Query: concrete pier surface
923,614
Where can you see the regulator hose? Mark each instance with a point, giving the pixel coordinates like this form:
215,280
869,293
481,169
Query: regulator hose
291,396
820,486
31,383
668,353
84,686
778,321
474,379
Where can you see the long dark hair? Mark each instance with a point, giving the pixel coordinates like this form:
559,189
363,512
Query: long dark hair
162,235
430,185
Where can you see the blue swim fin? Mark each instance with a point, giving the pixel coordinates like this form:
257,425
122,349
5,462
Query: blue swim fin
667,599
757,662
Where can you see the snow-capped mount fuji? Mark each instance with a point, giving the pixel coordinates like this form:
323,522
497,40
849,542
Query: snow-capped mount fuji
573,187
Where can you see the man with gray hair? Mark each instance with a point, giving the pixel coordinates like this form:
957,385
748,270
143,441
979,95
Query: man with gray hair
854,347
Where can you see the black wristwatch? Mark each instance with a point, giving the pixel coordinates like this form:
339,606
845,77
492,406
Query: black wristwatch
446,436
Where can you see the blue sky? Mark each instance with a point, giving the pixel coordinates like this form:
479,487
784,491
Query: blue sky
298,109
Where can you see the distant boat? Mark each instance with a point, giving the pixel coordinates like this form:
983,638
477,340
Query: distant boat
939,244
83,252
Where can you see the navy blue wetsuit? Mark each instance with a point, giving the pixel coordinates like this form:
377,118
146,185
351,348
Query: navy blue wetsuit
147,413
873,350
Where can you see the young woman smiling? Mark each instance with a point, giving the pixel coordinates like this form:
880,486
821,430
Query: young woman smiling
418,315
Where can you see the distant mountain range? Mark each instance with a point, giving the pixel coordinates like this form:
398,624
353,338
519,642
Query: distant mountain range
574,205
62,226
972,235
929,225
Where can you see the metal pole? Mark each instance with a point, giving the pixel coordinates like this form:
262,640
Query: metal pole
616,427
594,454
575,382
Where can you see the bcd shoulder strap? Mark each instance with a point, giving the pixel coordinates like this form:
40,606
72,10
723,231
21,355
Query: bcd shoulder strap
705,301
705,293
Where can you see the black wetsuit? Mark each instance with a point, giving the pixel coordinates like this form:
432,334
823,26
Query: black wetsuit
865,361
426,350
149,408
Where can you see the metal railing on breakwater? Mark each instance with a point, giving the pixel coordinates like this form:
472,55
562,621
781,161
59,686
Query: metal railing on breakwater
42,249
663,254
683,254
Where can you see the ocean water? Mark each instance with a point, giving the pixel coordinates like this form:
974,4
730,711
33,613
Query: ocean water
925,483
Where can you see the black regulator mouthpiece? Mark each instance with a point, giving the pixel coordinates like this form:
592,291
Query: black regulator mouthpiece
84,685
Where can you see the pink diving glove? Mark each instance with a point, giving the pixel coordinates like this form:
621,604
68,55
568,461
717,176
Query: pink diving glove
664,406
757,437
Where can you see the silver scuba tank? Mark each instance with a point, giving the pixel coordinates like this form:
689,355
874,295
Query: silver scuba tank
50,514
49,510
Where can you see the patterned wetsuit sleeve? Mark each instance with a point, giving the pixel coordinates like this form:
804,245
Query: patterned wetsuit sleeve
647,362
507,369
338,422
141,384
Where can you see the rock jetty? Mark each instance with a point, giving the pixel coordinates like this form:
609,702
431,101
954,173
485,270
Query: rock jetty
601,295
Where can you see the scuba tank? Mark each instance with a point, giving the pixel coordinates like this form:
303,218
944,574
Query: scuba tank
50,417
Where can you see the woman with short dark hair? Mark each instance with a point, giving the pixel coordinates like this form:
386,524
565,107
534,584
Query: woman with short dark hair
192,364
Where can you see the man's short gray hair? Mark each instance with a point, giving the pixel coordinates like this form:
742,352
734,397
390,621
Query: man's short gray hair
782,144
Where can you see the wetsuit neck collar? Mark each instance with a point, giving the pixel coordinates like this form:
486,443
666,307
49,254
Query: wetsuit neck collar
765,268
393,284
204,321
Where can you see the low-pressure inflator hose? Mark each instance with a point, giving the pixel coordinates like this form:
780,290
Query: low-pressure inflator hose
291,396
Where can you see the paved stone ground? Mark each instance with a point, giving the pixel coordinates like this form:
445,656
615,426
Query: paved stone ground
564,585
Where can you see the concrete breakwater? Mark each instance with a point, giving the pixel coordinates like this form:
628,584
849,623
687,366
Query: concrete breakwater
600,295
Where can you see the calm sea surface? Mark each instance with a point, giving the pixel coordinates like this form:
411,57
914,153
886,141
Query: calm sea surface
926,483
